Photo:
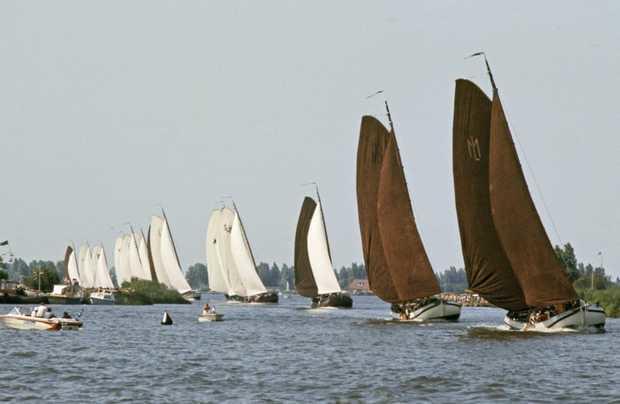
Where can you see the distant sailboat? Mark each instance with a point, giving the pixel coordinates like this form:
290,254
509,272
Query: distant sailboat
508,257
314,273
230,262
101,280
86,265
399,271
70,292
121,261
165,260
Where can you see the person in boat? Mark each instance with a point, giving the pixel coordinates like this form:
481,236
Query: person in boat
66,315
206,309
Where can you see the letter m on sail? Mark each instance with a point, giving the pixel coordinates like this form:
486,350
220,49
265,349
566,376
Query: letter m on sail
473,148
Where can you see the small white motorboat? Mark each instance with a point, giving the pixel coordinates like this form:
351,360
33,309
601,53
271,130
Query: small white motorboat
210,317
209,314
38,320
104,297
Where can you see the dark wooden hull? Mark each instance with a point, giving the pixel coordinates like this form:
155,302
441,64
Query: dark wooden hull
340,300
268,297
64,300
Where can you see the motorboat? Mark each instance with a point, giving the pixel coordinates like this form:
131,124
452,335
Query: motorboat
19,321
103,297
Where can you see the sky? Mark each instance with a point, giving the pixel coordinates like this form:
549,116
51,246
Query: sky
110,110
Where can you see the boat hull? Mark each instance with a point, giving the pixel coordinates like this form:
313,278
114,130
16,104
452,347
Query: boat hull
191,295
210,317
30,323
101,301
587,316
436,310
64,300
340,300
267,297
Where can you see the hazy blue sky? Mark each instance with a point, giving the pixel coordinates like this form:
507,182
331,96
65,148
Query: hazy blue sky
109,109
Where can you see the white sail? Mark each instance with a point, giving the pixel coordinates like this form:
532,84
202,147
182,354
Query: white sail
318,255
72,267
218,278
102,273
229,268
121,267
171,261
85,267
143,253
135,263
243,259
155,231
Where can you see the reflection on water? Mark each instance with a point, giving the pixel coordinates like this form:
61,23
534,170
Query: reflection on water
288,352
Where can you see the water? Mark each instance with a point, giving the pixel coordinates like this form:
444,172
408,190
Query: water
287,352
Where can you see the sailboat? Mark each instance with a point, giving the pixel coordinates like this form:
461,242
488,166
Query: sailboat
230,263
508,257
70,292
101,280
399,271
163,255
121,260
314,273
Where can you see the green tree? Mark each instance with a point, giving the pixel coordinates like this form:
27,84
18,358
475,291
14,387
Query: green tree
568,259
197,276
46,271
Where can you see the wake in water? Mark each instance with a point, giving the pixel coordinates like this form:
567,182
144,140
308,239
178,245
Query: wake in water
503,332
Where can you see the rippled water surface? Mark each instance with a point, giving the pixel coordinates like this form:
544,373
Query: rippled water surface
287,352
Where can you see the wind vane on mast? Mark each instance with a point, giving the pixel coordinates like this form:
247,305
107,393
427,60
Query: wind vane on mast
486,62
387,108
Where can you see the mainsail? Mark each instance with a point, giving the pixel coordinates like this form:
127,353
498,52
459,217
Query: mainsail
229,268
314,273
218,279
154,249
517,222
101,278
121,267
85,264
135,262
489,272
143,253
170,259
370,152
71,266
395,257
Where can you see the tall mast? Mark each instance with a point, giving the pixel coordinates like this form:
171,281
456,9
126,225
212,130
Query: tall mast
387,108
174,247
318,196
244,235
486,62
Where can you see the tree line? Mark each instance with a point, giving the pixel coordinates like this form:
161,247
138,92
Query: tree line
282,276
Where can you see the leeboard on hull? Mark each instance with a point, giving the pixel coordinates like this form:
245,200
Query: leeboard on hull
340,300
436,310
269,297
587,316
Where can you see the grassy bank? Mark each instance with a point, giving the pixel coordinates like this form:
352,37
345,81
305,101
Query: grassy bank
609,299
141,292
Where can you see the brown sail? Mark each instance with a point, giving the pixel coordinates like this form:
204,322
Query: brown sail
404,252
488,270
517,223
304,279
370,151
66,277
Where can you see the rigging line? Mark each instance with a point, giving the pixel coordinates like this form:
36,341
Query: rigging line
529,168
